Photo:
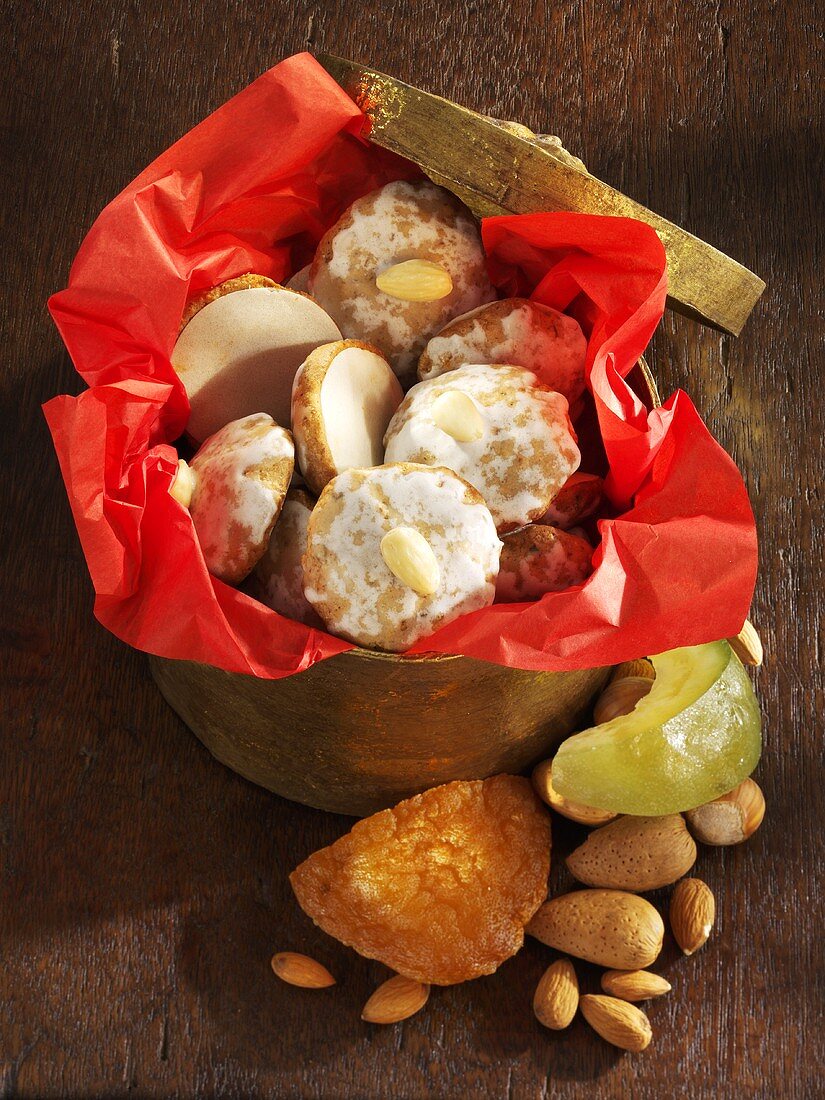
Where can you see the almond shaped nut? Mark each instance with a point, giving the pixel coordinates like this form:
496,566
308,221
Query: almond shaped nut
456,414
634,985
640,667
396,999
415,281
183,485
617,1022
611,928
410,558
575,811
747,645
620,697
557,995
692,913
301,970
635,853
730,819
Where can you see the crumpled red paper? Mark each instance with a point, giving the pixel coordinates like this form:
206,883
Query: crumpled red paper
252,188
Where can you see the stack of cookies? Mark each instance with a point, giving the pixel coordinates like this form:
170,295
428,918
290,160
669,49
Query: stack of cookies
346,503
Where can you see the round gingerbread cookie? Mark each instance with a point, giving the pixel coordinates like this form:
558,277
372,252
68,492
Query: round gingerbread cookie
517,331
299,280
578,499
241,476
278,578
343,398
239,351
496,426
398,223
395,552
539,559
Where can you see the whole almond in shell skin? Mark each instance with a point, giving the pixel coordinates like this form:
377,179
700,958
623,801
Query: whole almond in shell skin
557,995
635,853
608,927
301,970
692,913
396,999
617,1022
634,985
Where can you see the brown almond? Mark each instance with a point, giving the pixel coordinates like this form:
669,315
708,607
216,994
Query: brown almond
635,853
557,995
301,970
608,927
747,645
634,985
620,697
617,1022
396,999
692,913
640,667
575,811
730,819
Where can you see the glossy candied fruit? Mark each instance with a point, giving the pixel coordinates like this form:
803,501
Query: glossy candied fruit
440,887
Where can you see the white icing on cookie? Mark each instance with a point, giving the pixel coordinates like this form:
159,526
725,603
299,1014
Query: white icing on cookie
348,581
242,476
239,354
515,331
522,459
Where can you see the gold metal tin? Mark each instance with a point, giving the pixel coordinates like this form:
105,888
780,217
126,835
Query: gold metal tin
362,730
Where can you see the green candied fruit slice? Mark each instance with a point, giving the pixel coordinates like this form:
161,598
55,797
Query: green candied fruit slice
695,736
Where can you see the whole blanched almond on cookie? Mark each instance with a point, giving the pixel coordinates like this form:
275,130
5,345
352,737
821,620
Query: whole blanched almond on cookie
278,578
538,559
397,551
343,398
499,428
241,476
517,331
240,347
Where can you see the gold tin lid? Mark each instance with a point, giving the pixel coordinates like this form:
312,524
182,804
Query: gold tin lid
499,170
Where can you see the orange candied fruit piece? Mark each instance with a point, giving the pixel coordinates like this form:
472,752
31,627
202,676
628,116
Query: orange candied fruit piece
440,887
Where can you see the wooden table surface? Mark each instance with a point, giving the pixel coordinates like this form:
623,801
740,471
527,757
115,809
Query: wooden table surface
144,885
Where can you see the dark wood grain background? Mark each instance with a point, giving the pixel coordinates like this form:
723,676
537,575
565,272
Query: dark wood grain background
143,886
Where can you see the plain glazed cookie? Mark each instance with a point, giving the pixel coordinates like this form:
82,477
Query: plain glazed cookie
498,428
299,280
536,559
396,552
391,226
279,576
239,351
343,398
517,331
241,476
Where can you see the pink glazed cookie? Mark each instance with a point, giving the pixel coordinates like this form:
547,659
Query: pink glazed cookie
241,476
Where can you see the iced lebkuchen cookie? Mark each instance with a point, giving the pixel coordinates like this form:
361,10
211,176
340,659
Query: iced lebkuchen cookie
395,552
343,398
538,559
496,426
278,578
241,476
240,347
400,263
578,499
517,331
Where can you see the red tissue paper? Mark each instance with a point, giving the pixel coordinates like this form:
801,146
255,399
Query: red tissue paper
253,188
